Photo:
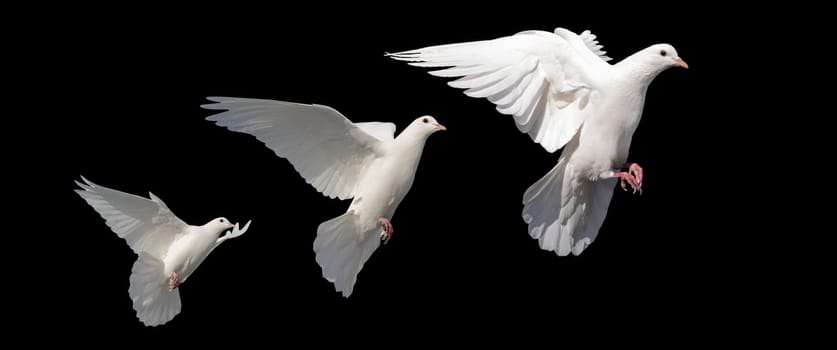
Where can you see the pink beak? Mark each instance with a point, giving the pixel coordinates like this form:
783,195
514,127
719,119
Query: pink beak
440,127
680,63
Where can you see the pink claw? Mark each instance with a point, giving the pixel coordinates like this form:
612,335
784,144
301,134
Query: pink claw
636,171
633,177
387,226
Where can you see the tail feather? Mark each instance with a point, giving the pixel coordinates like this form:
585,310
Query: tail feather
565,211
153,302
542,207
342,247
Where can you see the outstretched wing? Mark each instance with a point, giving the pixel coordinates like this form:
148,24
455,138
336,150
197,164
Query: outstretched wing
544,80
325,148
146,224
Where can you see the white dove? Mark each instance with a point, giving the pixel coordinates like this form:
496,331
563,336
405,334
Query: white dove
340,159
562,92
169,249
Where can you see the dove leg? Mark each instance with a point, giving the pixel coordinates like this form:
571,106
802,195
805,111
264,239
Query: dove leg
387,227
174,281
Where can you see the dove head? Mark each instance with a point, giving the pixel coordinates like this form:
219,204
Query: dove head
220,224
657,58
422,127
427,125
665,55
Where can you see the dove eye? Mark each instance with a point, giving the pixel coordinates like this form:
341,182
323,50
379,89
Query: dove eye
424,120
663,53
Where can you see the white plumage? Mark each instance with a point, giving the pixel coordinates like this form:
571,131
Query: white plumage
165,244
363,161
561,91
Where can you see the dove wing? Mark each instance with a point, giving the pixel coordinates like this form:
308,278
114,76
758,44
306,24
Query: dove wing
147,225
326,149
542,79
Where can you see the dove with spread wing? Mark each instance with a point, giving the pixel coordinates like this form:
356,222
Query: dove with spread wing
341,159
169,249
562,92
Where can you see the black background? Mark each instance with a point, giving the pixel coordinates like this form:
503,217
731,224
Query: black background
123,94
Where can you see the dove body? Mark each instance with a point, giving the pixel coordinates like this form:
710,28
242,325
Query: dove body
389,178
192,248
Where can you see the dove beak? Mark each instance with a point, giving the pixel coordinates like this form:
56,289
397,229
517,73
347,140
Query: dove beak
439,126
680,63
230,225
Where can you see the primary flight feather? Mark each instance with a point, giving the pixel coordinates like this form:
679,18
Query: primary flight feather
562,92
362,161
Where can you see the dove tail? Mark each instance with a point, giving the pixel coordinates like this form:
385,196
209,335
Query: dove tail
153,302
342,247
565,212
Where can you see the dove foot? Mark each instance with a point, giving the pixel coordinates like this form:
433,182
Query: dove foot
387,227
636,170
174,281
633,177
